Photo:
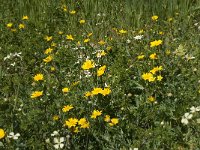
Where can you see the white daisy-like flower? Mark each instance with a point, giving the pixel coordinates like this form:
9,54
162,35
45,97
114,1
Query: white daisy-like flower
59,142
194,109
138,37
13,136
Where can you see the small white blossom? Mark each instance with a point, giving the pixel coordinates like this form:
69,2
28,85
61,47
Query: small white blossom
59,142
55,133
186,117
138,37
13,136
194,109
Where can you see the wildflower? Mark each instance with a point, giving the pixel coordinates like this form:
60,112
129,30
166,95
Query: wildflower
154,18
108,48
138,37
155,69
21,26
87,94
72,12
159,78
155,43
83,123
88,64
105,91
169,19
141,31
86,40
71,122
96,113
114,121
25,18
76,130
48,38
67,108
2,133
101,53
13,136
55,117
101,70
53,69
148,76
194,109
59,142
101,42
36,94
65,90
96,91
122,31
153,56
38,77
89,34
107,118
69,37
140,57
48,59
161,33
48,50
151,99
9,25
64,7
60,32
167,52
13,30
82,21
185,118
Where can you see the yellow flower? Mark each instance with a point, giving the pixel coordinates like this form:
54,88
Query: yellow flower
151,99
96,91
167,52
101,53
83,123
76,130
21,26
153,56
159,78
48,50
87,94
82,21
2,133
53,68
69,37
72,12
48,38
65,90
107,118
161,33
25,18
105,91
60,32
71,122
101,70
53,44
169,19
88,64
141,31
122,31
64,7
13,30
148,76
9,25
155,43
101,42
89,34
154,18
86,40
75,83
67,108
55,117
36,94
114,121
140,57
48,59
96,113
38,77
108,48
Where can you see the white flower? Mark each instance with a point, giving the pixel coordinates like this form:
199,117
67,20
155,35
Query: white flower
59,142
194,109
13,136
55,133
138,37
184,121
128,41
186,117
87,73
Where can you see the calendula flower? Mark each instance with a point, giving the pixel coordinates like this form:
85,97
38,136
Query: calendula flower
72,12
71,122
159,78
65,90
169,19
153,56
89,34
9,25
88,64
67,108
151,99
83,123
107,118
140,57
87,94
154,18
25,18
148,76
48,59
53,69
114,121
101,70
48,50
122,31
105,91
101,42
86,40
96,91
21,26
2,133
82,21
38,77
155,43
48,38
96,113
55,117
36,94
108,48
69,37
